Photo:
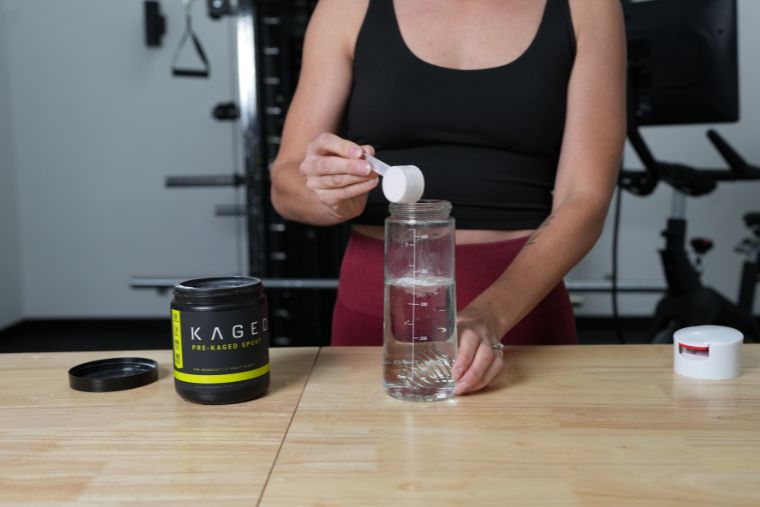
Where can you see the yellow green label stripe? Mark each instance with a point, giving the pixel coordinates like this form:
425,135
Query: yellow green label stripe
177,334
221,379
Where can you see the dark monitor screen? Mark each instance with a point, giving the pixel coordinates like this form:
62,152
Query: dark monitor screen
682,61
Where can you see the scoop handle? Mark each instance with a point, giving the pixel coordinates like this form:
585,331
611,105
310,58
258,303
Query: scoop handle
377,165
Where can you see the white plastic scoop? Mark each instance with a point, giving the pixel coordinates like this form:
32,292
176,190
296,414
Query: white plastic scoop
401,183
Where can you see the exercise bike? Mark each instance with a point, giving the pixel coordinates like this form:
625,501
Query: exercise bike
687,302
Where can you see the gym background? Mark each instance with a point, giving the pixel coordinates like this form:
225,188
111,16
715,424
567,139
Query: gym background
118,178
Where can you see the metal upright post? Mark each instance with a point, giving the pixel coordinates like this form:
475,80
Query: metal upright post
250,125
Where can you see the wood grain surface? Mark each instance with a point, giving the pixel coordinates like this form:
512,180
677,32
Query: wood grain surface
586,425
144,446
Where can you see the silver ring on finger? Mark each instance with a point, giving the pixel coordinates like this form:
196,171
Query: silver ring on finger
498,346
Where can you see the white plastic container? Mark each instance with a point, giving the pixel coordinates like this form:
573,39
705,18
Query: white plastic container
708,352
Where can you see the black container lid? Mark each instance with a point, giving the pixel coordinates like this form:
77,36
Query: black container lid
114,374
218,290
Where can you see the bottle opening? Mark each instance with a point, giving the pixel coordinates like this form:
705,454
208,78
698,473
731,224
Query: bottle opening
424,208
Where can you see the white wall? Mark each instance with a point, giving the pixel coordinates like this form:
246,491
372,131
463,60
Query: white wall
717,215
10,253
98,122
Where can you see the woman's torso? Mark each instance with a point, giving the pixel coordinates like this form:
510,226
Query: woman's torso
474,93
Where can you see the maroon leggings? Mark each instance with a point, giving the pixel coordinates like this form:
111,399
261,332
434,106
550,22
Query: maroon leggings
358,314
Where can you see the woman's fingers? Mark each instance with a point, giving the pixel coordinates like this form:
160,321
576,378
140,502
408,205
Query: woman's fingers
337,173
494,369
473,376
330,165
335,196
469,342
333,181
330,144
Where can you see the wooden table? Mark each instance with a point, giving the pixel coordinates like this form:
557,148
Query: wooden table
144,446
587,425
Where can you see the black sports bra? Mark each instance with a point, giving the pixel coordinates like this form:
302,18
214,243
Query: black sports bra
488,140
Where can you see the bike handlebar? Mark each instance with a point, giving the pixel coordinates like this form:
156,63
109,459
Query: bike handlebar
735,161
686,179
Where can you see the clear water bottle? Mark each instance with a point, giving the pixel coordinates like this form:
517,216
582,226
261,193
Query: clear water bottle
420,335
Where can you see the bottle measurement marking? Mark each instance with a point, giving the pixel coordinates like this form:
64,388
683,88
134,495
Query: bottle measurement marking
414,295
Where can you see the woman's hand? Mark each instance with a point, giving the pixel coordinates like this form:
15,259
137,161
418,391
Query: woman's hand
337,173
477,363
